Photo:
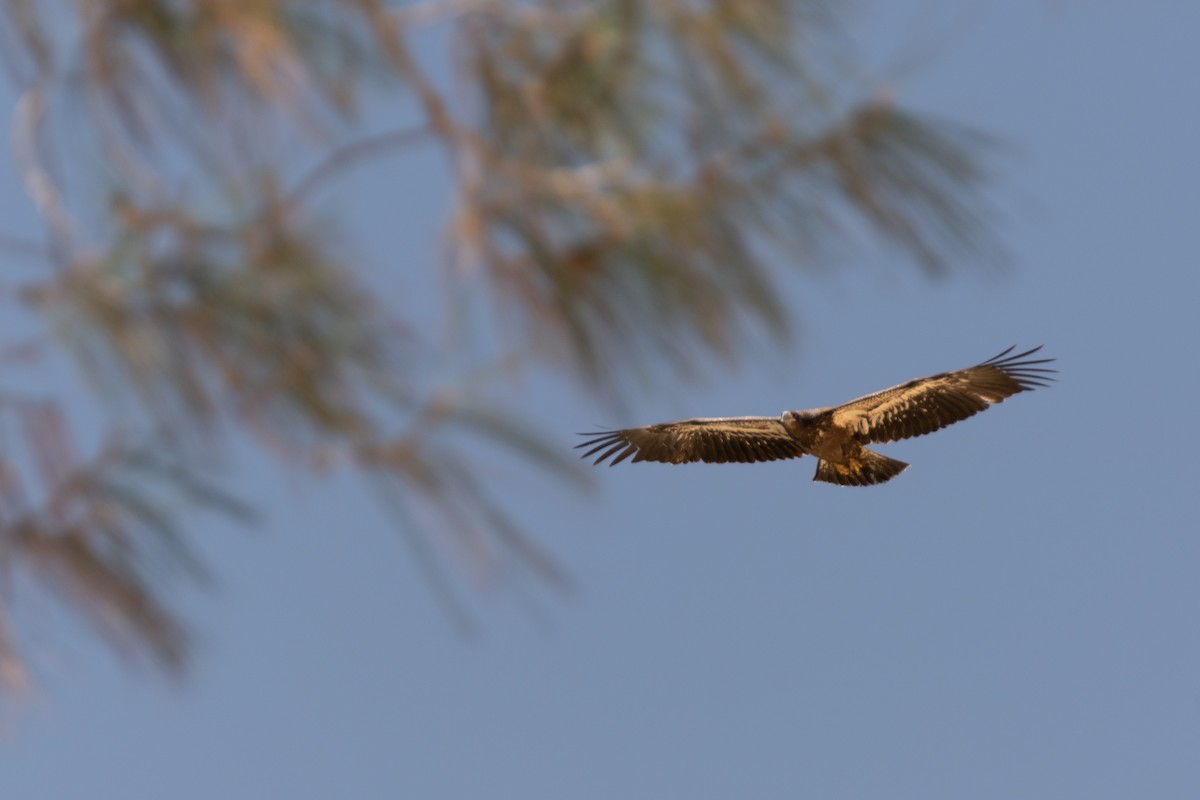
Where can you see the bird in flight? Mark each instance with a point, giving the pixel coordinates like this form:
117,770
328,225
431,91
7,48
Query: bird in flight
837,435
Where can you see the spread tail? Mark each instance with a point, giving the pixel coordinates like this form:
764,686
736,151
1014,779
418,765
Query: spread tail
865,469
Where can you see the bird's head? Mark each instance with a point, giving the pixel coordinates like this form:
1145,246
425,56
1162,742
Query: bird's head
803,416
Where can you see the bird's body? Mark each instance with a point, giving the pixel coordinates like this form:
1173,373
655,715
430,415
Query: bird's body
837,435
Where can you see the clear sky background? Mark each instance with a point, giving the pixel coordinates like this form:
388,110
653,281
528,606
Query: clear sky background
1017,615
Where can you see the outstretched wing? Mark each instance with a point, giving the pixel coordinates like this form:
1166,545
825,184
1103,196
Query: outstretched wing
718,440
925,405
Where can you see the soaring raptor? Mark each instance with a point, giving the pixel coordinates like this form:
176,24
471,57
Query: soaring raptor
836,436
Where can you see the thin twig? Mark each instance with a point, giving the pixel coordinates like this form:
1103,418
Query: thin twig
343,157
28,139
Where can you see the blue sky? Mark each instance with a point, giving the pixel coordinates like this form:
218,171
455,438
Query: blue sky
1017,615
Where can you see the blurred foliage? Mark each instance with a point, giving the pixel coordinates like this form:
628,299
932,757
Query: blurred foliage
626,174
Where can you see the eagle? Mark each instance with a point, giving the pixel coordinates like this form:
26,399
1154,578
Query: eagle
837,435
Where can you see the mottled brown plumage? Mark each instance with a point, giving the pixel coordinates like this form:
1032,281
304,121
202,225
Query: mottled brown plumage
835,435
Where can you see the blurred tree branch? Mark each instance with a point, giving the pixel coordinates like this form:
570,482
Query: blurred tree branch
627,173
